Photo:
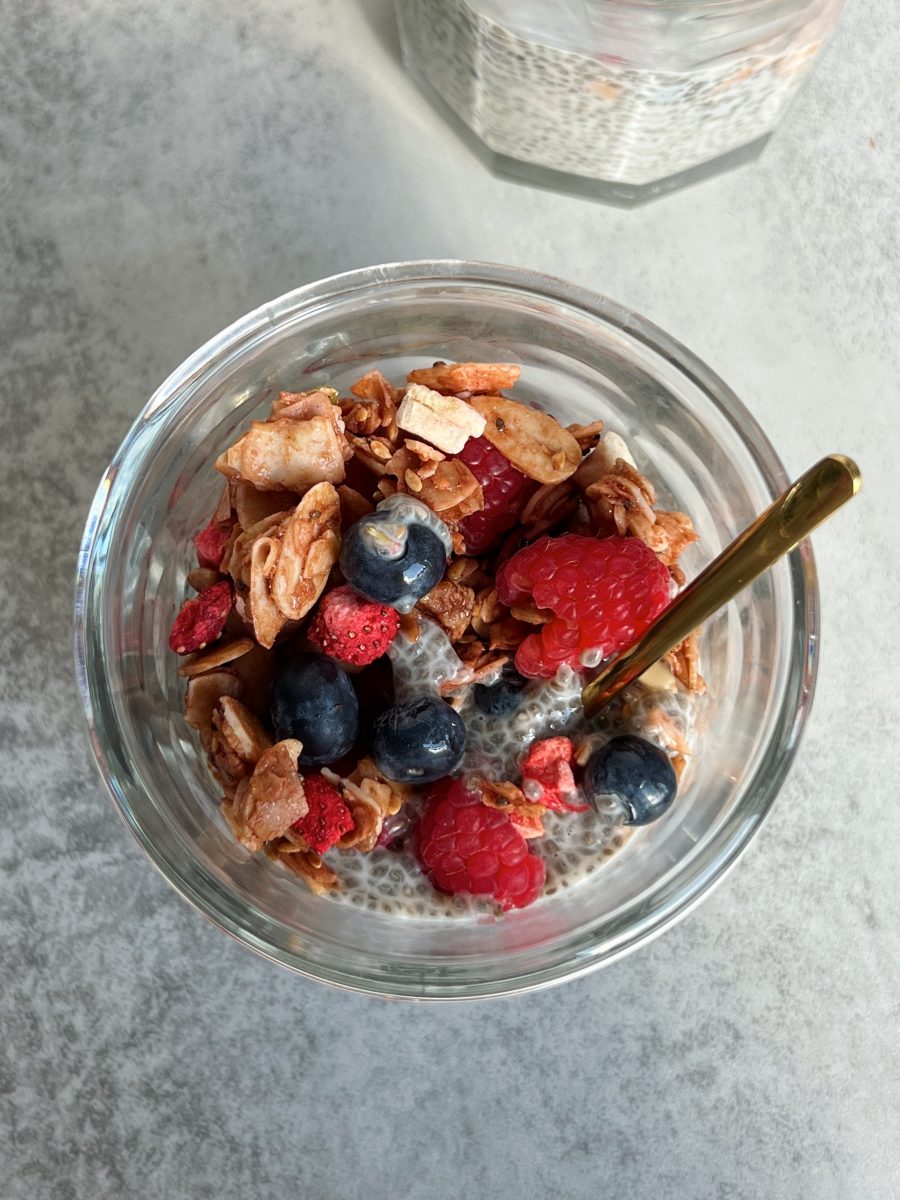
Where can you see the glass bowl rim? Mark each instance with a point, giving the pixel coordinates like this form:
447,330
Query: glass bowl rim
710,868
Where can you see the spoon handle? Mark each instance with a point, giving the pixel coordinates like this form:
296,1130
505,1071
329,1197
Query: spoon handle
810,500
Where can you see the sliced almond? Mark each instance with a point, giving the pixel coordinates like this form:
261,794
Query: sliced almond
587,436
217,656
353,506
533,441
222,515
423,451
532,615
242,731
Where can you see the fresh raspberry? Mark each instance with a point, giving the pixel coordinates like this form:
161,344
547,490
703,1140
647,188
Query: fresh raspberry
210,544
202,619
464,846
549,765
505,491
328,818
351,629
603,592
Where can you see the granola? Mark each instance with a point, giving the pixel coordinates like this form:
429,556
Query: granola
268,802
286,455
623,501
473,378
450,604
318,876
374,408
290,563
683,661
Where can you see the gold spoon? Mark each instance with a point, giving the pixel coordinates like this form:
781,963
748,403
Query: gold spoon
810,500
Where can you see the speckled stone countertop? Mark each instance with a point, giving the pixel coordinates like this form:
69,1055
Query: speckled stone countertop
167,167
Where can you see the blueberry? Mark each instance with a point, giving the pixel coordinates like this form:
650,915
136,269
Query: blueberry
397,554
374,687
311,699
503,697
418,741
630,779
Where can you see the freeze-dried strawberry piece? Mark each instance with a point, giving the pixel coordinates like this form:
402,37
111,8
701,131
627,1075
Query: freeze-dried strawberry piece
549,764
201,620
210,544
351,629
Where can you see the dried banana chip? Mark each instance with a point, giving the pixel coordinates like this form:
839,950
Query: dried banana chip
533,441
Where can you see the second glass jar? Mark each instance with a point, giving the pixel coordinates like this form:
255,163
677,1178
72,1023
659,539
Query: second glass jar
622,99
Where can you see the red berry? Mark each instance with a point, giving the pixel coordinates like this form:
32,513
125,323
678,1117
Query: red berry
603,592
505,491
464,846
202,619
351,629
549,763
210,544
328,818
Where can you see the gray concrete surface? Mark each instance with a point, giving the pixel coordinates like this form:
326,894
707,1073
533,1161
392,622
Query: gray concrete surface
164,169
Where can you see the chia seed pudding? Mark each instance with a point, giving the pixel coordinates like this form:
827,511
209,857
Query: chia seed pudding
573,846
635,102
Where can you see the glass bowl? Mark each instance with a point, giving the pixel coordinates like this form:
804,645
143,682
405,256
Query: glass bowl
584,357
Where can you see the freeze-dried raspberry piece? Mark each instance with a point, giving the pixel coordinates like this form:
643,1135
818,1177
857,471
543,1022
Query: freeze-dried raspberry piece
210,544
201,620
548,764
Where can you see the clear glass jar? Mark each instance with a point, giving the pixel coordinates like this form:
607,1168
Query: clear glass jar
621,99
584,357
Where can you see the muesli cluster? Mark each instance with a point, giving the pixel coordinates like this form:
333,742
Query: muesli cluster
400,597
